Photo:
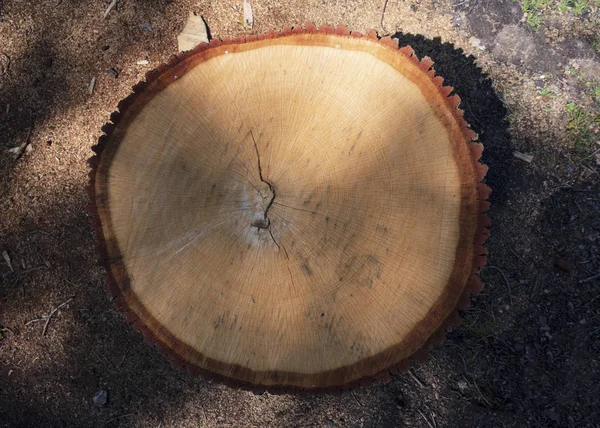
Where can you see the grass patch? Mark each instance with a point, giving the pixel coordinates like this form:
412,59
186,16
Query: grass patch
596,93
535,9
546,92
596,44
576,7
582,127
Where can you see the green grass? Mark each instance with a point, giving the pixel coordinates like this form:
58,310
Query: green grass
563,5
596,93
581,127
546,92
535,9
596,44
576,7
580,6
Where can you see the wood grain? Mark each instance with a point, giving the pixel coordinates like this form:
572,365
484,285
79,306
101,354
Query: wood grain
303,210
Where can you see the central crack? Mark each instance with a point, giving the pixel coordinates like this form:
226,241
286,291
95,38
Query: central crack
265,222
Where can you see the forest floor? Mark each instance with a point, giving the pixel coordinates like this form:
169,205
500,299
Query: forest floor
528,351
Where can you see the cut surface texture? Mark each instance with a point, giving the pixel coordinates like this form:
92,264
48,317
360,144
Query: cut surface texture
299,210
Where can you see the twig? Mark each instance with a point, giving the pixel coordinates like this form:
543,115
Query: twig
416,379
105,359
467,62
426,418
124,355
92,85
537,282
505,344
432,416
591,278
5,69
3,328
518,257
582,264
481,395
382,16
505,280
465,366
577,205
119,417
39,231
52,313
34,269
109,8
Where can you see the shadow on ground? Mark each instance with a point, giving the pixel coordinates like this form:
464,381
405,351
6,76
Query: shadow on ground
528,341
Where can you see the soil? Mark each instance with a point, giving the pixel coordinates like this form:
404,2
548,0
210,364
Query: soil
527,352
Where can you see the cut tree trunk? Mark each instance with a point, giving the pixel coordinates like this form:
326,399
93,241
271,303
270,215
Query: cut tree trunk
301,209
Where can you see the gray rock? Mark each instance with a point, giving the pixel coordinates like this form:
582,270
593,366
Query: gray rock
100,399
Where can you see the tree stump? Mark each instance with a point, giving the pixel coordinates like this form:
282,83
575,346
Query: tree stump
300,209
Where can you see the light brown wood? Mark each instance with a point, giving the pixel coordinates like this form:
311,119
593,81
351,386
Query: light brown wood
299,211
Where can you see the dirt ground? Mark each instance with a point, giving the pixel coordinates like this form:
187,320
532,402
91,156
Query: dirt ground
528,351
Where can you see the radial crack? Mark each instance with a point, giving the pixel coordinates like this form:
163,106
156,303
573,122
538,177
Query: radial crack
273,237
271,187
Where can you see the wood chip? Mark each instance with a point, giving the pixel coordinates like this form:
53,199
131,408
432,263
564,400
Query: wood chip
18,151
248,16
143,62
92,86
193,33
7,260
523,156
